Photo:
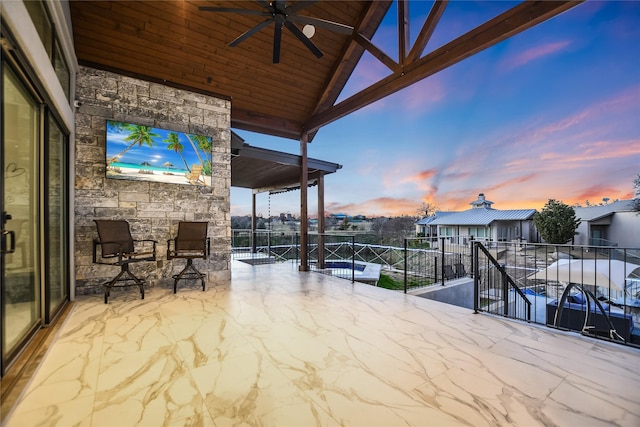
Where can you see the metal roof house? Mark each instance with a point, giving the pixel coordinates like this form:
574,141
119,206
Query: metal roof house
482,222
611,224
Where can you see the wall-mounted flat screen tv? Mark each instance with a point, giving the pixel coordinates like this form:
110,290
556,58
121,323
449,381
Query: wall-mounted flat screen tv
144,153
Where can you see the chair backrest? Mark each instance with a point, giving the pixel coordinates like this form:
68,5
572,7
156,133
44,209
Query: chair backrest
196,171
448,272
117,235
191,236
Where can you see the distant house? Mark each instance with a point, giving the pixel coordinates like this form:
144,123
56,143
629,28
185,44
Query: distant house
482,222
612,224
425,227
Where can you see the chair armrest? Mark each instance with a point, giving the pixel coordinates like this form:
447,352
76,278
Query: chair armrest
97,242
143,241
170,252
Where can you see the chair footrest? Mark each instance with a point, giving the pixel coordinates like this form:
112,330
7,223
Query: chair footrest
188,276
133,282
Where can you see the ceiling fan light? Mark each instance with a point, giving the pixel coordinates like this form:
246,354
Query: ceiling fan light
308,30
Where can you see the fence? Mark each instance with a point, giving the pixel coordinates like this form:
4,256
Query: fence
594,290
588,289
265,245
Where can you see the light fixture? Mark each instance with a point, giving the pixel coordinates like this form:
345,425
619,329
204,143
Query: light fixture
308,30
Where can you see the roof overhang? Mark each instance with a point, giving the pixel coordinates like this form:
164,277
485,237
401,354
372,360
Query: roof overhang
262,170
177,44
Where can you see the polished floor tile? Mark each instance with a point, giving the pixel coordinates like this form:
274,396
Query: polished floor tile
277,347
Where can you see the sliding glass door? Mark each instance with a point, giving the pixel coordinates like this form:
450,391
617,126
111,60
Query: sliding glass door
20,278
56,283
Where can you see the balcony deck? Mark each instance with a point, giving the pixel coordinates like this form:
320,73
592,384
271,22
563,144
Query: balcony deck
277,347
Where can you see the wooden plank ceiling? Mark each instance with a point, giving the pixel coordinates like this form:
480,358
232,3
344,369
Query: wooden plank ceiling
176,43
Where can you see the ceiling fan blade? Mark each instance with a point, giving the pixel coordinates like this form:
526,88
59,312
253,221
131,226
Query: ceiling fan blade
330,25
304,39
298,6
250,32
277,38
233,10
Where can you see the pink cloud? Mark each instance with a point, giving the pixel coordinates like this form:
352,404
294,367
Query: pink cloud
534,53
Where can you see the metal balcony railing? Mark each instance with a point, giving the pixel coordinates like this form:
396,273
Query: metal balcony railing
594,290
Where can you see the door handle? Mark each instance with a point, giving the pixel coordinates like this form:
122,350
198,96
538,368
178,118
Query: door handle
3,243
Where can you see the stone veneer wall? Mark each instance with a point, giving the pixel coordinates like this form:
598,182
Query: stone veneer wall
152,209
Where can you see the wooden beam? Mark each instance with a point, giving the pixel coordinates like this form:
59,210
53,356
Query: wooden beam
403,31
254,240
321,229
520,18
375,51
304,216
427,30
350,56
263,123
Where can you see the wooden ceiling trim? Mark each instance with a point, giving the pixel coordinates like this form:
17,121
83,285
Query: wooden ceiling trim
263,97
249,120
520,18
150,47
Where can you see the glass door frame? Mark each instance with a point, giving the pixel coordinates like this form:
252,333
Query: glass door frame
8,355
49,313
28,78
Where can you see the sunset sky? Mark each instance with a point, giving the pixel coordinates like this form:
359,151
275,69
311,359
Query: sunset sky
553,112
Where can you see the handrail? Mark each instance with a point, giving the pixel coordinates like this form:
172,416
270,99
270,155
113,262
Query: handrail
507,280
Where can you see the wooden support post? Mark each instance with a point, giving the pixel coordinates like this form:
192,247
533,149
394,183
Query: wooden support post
253,224
304,217
321,221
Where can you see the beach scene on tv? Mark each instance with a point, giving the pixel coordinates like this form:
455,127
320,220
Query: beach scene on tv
144,153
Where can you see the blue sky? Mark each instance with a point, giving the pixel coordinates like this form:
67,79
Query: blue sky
553,112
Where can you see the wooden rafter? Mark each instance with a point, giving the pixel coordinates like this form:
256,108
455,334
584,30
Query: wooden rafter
514,21
351,54
403,31
375,51
427,30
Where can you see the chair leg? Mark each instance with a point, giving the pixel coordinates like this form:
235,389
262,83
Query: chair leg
184,274
124,269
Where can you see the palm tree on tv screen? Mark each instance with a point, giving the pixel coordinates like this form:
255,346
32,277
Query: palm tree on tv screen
205,145
174,144
138,136
193,145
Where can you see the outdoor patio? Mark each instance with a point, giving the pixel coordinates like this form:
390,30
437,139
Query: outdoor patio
277,347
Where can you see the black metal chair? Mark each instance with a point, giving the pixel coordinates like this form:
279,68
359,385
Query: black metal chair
190,243
460,270
118,247
448,272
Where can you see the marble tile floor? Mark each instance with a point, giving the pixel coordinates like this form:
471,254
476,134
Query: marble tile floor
277,347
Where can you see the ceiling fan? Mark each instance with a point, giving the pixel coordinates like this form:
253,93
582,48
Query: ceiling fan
281,14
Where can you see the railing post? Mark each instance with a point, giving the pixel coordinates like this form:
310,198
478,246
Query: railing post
442,255
476,276
474,254
353,259
320,262
405,265
505,290
435,269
